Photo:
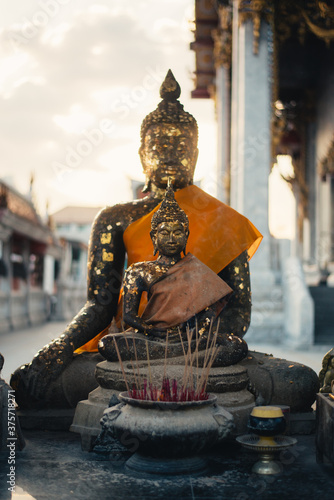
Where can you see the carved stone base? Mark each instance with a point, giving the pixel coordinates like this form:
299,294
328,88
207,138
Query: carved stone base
229,384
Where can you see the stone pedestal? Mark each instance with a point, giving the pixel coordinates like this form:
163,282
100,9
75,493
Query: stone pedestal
298,306
229,384
325,429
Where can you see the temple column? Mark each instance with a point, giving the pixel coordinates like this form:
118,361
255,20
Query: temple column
222,37
323,249
332,220
5,287
250,136
252,68
48,275
312,176
223,130
26,262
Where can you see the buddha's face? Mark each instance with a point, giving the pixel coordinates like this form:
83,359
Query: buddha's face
169,150
170,238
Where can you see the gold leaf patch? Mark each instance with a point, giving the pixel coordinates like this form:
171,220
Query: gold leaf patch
107,256
105,238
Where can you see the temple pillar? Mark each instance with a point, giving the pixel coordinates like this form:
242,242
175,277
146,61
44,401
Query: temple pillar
223,131
5,285
332,220
252,61
222,37
48,275
251,138
323,249
313,179
27,287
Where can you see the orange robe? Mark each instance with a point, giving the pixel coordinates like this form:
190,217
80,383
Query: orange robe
218,235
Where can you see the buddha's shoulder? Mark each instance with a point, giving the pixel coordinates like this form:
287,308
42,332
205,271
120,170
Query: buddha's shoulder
144,270
137,267
123,214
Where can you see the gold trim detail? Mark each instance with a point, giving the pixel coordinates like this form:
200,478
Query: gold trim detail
256,11
222,38
326,165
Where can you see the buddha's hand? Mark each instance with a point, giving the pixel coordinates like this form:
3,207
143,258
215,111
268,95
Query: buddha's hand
45,367
159,332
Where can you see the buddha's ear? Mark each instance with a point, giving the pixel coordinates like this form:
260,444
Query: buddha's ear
155,246
185,246
147,187
154,241
194,161
195,157
141,156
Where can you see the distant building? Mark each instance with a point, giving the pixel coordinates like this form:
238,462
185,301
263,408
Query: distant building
30,256
72,226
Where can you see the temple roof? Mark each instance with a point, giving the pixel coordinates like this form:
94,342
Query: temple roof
19,216
18,204
75,215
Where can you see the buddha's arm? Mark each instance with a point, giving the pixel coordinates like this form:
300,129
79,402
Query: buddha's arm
105,265
105,269
133,286
235,318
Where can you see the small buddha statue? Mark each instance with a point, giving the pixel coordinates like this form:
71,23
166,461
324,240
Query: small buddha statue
62,372
183,295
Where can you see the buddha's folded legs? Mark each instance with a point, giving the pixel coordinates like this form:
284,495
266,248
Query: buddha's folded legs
276,380
135,345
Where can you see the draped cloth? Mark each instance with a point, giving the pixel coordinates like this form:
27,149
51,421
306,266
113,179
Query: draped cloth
186,289
218,235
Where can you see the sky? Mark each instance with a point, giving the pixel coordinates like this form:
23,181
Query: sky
77,77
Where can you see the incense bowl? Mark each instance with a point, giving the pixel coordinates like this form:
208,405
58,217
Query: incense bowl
167,437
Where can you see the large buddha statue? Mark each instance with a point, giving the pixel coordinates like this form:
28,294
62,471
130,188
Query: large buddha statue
62,372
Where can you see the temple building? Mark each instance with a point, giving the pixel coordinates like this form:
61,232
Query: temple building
30,256
72,225
268,65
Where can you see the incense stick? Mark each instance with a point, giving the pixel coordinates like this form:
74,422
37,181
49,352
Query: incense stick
122,367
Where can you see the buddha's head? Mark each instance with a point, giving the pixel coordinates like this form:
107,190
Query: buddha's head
169,140
169,227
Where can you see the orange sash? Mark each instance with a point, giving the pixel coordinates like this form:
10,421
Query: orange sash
218,235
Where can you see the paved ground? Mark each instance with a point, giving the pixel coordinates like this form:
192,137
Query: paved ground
53,466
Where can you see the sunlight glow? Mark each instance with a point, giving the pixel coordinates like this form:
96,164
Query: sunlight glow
75,122
282,203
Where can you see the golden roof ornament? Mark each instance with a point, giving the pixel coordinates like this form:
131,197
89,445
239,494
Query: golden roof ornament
169,110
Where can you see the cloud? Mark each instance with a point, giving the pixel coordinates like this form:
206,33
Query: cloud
90,63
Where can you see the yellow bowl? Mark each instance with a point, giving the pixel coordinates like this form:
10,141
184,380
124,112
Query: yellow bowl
267,412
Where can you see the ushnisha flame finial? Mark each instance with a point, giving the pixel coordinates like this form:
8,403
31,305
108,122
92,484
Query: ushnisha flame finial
169,110
169,211
170,90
